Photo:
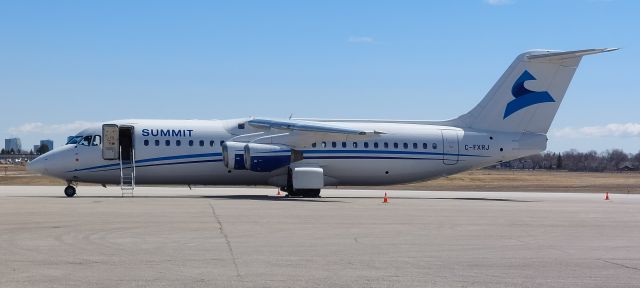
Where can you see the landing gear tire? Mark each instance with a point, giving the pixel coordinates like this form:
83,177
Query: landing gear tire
311,193
305,193
70,191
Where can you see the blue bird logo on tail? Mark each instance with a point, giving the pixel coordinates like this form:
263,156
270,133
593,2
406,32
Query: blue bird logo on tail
525,97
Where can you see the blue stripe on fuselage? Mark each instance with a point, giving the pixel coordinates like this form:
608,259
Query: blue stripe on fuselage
164,158
387,152
306,152
162,164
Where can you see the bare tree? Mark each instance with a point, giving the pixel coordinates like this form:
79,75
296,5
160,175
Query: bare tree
573,160
44,148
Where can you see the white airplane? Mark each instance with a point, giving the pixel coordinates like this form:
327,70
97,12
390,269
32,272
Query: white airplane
301,156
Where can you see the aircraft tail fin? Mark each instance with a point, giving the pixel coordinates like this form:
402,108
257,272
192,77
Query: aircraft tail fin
528,95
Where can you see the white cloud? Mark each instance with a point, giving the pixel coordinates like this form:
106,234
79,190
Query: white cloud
498,2
608,130
360,39
50,129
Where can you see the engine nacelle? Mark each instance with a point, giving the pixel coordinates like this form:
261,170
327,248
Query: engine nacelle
266,157
233,155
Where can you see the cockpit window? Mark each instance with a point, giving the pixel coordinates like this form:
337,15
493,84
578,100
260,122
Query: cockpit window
97,140
74,139
86,140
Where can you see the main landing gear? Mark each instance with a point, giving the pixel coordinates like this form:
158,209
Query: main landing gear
70,190
304,193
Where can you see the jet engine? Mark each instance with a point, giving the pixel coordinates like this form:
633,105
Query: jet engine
233,155
266,157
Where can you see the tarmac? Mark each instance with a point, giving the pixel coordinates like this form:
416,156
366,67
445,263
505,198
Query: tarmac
249,237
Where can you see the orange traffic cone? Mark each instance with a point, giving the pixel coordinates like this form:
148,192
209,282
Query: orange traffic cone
385,200
606,196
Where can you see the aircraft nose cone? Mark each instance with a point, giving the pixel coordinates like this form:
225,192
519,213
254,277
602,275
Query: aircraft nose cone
36,165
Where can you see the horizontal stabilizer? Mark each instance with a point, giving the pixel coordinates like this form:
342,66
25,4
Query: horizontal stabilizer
568,54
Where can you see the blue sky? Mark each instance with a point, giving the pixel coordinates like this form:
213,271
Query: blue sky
67,63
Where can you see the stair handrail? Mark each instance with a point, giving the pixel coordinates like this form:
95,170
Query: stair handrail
133,166
121,173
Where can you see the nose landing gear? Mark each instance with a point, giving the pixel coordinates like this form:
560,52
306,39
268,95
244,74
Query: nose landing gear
70,190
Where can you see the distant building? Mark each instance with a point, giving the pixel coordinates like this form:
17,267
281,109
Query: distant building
35,148
13,143
47,142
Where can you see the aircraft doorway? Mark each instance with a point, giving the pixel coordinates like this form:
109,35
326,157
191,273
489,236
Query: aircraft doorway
450,147
125,135
117,142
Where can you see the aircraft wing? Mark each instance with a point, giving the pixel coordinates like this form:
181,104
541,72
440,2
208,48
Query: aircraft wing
307,126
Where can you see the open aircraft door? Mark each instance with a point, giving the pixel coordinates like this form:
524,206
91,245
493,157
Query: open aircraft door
450,147
110,142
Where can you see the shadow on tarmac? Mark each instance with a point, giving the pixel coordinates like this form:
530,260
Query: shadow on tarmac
332,199
220,197
438,198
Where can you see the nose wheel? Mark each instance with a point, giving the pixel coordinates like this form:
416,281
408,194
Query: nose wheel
70,191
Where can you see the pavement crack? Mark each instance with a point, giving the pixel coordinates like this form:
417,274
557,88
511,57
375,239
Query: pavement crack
619,264
226,239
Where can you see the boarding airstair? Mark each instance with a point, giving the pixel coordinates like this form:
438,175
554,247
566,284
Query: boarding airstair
128,174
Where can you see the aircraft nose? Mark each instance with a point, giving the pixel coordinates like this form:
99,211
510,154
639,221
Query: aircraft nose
36,165
53,163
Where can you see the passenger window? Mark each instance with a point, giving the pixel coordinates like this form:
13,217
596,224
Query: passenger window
178,142
167,143
334,144
366,144
157,142
146,142
201,143
190,142
434,146
97,140
386,144
344,144
313,145
324,144
221,142
395,145
86,141
415,145
375,145
425,146
355,144
211,143
405,145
